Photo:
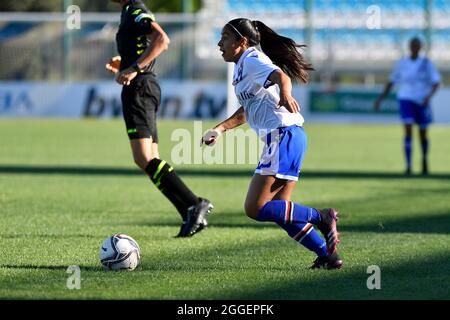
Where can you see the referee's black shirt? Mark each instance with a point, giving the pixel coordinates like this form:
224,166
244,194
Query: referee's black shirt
135,23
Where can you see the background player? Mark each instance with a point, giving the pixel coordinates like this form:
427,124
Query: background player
275,117
140,40
418,80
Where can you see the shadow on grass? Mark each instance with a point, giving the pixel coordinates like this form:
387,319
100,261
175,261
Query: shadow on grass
281,279
212,226
234,219
228,172
46,267
425,223
416,279
47,236
276,272
437,223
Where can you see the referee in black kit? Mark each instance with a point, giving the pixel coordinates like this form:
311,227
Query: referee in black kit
139,41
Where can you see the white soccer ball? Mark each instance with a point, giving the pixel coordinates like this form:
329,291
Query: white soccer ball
120,252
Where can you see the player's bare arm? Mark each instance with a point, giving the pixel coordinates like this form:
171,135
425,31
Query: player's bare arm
285,85
160,43
427,99
237,119
387,90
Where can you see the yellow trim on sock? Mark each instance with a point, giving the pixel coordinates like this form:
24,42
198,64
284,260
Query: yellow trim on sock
161,165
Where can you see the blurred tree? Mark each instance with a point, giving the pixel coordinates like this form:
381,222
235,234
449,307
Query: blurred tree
93,6
31,5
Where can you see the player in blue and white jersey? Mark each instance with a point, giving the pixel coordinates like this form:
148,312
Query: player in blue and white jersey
417,79
262,82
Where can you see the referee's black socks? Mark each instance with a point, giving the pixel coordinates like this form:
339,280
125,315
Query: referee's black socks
168,182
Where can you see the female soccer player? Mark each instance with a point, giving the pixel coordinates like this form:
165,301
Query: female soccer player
140,40
418,80
276,118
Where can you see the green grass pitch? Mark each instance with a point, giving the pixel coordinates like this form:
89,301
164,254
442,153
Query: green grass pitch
67,185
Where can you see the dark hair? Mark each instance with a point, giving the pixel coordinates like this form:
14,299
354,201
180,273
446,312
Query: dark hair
416,40
281,50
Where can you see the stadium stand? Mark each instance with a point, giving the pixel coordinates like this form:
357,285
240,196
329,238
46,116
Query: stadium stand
336,32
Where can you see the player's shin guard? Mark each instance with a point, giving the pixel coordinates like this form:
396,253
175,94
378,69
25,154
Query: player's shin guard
306,235
168,182
287,212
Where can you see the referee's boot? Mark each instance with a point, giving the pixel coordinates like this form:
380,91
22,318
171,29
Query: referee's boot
196,221
203,225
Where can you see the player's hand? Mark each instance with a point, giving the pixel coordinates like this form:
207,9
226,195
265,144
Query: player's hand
426,101
210,137
126,76
287,101
113,65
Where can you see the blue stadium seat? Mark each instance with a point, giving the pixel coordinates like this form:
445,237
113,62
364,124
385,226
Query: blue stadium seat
336,18
15,29
261,6
441,5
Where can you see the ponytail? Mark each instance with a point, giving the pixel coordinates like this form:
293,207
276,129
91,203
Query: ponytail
283,52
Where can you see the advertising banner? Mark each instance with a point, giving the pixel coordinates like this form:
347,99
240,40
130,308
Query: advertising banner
196,100
102,99
350,101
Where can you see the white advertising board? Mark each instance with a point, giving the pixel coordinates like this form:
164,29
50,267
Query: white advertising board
184,100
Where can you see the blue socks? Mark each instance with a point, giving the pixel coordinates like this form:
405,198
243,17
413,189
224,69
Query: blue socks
297,221
287,212
408,148
305,234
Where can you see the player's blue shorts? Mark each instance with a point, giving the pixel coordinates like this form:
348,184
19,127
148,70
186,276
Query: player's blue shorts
283,153
412,112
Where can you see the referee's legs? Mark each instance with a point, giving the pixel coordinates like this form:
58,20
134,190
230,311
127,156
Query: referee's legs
146,157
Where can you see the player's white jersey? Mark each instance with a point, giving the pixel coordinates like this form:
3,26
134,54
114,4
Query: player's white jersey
258,95
415,78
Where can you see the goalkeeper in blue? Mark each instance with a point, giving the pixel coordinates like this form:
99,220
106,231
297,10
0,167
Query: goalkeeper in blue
262,83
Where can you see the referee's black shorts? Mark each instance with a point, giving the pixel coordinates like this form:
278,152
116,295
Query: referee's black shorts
140,101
